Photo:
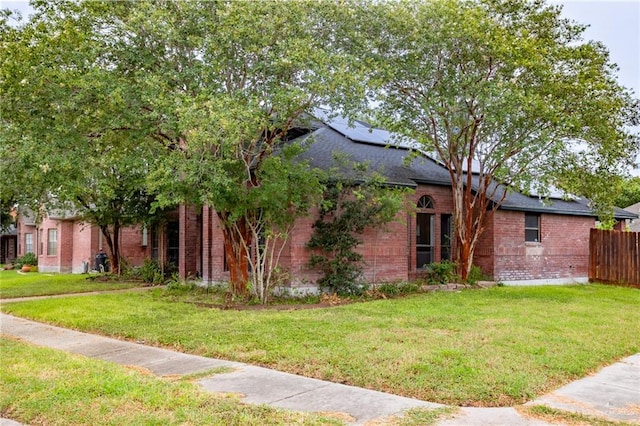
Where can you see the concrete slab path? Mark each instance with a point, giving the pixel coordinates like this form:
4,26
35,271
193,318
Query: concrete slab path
613,393
257,385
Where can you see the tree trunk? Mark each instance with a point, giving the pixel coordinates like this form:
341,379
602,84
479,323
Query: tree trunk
113,242
115,258
236,255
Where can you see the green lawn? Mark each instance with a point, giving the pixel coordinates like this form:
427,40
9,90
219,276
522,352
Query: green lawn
17,284
44,386
494,347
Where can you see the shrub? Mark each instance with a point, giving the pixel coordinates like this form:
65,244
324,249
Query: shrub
441,272
476,275
347,210
150,272
27,259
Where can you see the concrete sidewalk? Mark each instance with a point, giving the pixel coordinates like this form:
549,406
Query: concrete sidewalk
613,393
258,385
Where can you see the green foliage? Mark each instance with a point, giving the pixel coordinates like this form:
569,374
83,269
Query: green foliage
508,87
149,272
347,210
441,272
476,275
629,193
160,103
397,289
26,259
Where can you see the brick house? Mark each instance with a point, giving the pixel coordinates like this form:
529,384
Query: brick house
8,244
527,239
63,243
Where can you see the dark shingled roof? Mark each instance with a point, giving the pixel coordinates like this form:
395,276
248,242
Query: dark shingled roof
401,166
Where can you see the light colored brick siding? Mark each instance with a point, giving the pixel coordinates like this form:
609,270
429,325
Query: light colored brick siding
78,243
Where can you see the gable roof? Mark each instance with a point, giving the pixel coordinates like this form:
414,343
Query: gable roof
401,163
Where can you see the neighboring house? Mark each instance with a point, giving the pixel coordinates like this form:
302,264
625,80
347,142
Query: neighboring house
8,245
63,243
634,224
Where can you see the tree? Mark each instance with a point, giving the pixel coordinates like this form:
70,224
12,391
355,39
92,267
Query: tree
219,86
506,94
629,193
256,79
69,141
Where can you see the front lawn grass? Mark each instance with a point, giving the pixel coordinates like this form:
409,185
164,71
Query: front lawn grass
17,284
496,347
44,386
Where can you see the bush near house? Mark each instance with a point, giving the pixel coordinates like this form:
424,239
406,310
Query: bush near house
28,259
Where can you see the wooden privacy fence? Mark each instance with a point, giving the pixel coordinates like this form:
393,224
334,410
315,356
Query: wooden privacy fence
614,257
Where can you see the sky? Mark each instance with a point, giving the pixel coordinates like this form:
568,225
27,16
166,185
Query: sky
616,23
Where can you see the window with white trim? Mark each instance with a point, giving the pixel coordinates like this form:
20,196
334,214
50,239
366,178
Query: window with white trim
52,242
532,227
28,243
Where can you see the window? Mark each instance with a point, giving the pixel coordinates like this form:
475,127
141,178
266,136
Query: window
52,242
425,224
28,243
446,234
425,233
155,243
41,240
532,227
425,202
173,245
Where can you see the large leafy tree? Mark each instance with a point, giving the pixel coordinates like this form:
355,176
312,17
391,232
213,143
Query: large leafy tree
629,192
219,86
72,141
505,94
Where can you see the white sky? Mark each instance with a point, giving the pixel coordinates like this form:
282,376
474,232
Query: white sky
616,23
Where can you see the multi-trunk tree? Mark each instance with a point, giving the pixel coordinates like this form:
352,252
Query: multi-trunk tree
213,88
506,94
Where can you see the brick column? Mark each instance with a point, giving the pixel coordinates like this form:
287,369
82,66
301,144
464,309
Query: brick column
190,242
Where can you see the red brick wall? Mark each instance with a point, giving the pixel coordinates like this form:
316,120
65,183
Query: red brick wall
212,247
85,245
65,245
389,254
563,250
190,248
388,251
131,248
78,243
483,256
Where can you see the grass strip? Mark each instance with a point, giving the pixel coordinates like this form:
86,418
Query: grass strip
44,386
556,416
16,284
496,347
